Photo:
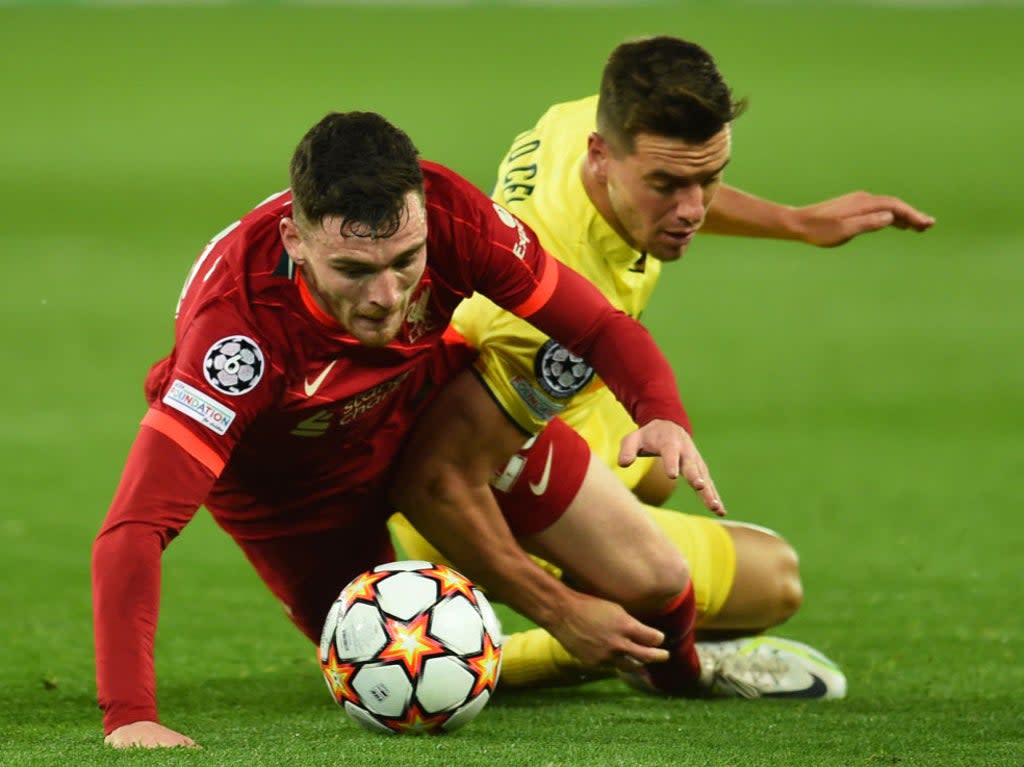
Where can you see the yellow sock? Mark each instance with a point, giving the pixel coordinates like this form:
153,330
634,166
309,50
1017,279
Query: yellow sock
534,658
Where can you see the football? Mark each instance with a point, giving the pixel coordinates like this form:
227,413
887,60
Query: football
411,647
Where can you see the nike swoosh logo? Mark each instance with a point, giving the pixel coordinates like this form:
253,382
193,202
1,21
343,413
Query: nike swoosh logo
816,689
310,387
541,487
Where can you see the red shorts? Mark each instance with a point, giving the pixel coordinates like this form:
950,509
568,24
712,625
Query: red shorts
307,572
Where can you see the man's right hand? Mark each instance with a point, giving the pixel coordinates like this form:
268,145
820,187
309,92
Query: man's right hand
147,734
679,456
602,634
837,221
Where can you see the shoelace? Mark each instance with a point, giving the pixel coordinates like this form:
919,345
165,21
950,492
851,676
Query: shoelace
742,673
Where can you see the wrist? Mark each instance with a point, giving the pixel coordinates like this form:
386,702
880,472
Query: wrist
792,224
535,593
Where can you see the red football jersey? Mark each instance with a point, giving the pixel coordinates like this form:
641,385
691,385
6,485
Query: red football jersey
272,395
283,424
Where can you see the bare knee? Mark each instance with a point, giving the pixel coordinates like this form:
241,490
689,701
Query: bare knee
789,588
767,589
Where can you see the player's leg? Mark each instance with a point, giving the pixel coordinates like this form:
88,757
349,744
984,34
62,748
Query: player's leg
766,587
747,581
562,502
568,507
534,658
602,540
751,666
765,583
655,487
307,572
605,546
747,577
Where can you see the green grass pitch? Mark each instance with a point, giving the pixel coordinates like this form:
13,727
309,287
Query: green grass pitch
868,402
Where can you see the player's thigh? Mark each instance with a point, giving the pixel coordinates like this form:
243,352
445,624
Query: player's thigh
606,543
602,421
306,572
654,487
710,551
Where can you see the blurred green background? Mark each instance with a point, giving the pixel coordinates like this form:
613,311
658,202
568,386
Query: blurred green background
868,402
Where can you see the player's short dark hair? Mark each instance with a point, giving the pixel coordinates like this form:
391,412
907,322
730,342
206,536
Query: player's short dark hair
664,86
359,167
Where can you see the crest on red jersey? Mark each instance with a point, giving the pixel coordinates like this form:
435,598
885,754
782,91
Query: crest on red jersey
418,318
234,365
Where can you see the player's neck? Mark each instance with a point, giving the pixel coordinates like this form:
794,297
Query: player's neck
597,192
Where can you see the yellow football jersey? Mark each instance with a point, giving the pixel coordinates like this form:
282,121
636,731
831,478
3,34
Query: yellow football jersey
532,377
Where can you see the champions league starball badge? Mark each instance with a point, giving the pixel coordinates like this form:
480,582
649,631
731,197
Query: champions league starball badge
560,372
233,365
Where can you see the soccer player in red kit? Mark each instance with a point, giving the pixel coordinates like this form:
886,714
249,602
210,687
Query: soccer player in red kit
309,336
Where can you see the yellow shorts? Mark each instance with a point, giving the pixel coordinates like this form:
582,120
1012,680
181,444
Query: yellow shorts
593,412
603,429
707,545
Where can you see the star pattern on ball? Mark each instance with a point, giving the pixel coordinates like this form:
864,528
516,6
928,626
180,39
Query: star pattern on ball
339,676
410,643
362,589
485,666
450,582
418,722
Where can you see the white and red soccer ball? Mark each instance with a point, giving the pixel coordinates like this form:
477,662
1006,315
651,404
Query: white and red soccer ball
411,647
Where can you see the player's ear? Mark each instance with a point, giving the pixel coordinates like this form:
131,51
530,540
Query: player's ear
291,238
597,156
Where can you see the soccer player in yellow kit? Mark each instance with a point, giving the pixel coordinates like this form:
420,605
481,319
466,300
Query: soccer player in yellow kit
614,190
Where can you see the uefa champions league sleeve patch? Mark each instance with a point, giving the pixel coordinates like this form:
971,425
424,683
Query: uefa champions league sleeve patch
560,372
234,365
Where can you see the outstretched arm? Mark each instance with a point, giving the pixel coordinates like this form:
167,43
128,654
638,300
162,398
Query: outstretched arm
826,224
160,490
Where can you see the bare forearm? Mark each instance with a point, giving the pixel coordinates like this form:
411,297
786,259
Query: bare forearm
442,486
737,213
463,521
826,224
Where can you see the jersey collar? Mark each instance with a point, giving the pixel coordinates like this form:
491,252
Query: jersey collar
311,305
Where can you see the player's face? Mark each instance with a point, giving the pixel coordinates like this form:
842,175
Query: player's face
657,195
364,283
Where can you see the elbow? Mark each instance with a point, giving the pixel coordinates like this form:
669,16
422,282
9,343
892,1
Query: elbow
118,547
